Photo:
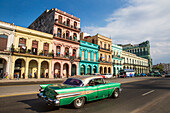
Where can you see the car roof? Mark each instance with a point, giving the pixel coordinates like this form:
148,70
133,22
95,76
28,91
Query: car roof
83,77
86,78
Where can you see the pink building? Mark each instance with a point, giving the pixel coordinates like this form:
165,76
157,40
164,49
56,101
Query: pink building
66,31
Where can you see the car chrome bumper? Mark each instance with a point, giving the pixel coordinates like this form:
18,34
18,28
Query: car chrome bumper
49,101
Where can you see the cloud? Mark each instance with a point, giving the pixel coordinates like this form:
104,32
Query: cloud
139,21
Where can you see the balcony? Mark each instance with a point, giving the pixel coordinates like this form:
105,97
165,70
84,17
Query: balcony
30,52
101,48
66,56
117,64
117,56
68,26
104,61
66,38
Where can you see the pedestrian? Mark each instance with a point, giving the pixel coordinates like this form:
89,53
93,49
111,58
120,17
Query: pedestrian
46,75
18,76
30,75
4,75
23,75
35,75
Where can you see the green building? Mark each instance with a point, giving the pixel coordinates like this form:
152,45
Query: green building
141,50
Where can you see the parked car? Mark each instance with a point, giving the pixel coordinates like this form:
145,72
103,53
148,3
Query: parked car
107,75
142,74
157,74
167,75
76,90
151,74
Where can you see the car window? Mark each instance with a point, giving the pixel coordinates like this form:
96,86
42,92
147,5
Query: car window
73,82
96,81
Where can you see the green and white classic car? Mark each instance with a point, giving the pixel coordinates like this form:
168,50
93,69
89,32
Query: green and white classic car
78,90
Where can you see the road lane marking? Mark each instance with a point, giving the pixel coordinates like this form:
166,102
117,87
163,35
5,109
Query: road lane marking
19,94
148,92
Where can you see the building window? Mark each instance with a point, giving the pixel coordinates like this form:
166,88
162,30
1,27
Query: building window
75,24
22,45
60,19
88,56
68,35
105,45
82,53
101,57
68,22
34,47
74,36
109,47
58,51
3,42
67,52
94,57
100,44
46,49
59,32
74,52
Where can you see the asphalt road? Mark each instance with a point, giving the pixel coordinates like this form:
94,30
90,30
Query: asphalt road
148,96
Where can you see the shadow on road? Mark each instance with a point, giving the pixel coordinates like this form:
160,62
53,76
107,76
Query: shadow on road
38,105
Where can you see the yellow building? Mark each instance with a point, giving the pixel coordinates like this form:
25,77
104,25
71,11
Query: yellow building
31,54
105,52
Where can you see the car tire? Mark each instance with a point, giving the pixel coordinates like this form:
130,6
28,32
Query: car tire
79,102
116,93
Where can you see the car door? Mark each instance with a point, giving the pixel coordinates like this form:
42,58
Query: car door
91,91
102,88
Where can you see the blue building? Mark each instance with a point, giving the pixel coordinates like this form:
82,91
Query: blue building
117,58
88,58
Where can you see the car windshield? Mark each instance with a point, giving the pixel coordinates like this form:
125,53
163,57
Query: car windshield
73,82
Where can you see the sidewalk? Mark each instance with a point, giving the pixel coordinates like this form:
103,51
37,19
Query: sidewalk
6,82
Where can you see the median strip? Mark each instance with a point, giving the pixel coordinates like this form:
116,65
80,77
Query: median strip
148,92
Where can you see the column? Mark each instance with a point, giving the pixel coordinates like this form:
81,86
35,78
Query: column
70,67
26,68
92,55
50,69
61,70
39,69
85,70
12,68
91,70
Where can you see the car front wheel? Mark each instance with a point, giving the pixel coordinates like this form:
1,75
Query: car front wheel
115,93
79,102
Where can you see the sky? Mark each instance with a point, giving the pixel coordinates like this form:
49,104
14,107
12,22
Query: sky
125,21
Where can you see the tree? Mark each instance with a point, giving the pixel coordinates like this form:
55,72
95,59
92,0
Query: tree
160,67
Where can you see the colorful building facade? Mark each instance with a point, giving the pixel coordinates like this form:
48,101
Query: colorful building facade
132,61
117,58
7,33
31,54
141,50
88,64
105,52
66,30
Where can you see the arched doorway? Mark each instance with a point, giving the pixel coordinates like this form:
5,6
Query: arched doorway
101,70
94,69
57,70
82,71
105,70
33,69
73,70
88,70
65,70
109,70
3,65
19,69
44,70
